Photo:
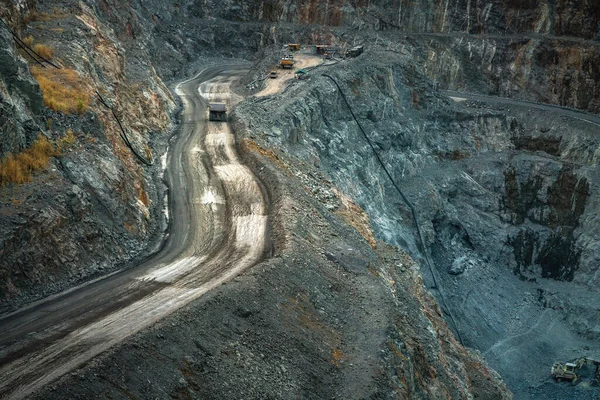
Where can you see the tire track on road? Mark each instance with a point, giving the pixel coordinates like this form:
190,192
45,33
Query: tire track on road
219,228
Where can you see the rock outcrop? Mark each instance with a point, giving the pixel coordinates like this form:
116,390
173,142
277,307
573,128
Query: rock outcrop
503,202
92,208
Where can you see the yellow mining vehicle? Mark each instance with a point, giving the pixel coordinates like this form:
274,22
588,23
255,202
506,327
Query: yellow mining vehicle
287,62
571,371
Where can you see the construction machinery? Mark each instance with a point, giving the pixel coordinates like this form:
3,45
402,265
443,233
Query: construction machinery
321,49
293,47
286,62
217,111
355,51
571,371
273,74
301,74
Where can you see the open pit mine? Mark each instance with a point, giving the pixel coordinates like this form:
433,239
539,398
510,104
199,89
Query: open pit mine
300,199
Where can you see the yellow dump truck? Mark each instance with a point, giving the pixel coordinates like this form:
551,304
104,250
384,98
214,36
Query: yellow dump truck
286,62
293,47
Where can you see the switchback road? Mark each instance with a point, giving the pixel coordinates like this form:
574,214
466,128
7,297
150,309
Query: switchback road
580,115
219,228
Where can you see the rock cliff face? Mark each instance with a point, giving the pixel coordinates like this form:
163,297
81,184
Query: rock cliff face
504,202
540,50
92,207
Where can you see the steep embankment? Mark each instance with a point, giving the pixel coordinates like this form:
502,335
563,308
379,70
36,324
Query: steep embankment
326,316
92,205
503,202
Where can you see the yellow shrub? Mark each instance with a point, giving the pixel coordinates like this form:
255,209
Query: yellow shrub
19,168
38,16
45,16
63,89
44,51
28,40
67,140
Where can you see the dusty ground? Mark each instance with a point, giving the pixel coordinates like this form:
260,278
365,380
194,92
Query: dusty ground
220,229
325,317
303,59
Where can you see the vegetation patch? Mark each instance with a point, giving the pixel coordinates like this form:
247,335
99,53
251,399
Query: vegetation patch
28,40
43,16
19,168
44,51
63,89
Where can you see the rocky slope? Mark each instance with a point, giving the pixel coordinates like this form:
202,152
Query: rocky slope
504,196
327,316
92,208
503,202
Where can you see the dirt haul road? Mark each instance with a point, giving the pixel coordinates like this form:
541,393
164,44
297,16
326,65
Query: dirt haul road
219,228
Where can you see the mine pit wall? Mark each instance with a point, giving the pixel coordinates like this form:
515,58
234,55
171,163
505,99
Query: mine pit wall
537,202
419,357
563,73
500,199
93,208
541,51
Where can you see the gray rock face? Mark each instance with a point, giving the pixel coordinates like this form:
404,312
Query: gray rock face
504,202
21,103
461,264
90,211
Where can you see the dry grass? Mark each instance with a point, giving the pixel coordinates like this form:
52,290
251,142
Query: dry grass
38,16
148,152
249,145
28,40
130,228
337,357
44,51
141,194
63,89
66,141
42,16
19,168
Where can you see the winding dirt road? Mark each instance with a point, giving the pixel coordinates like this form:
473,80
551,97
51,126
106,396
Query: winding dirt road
218,229
569,112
